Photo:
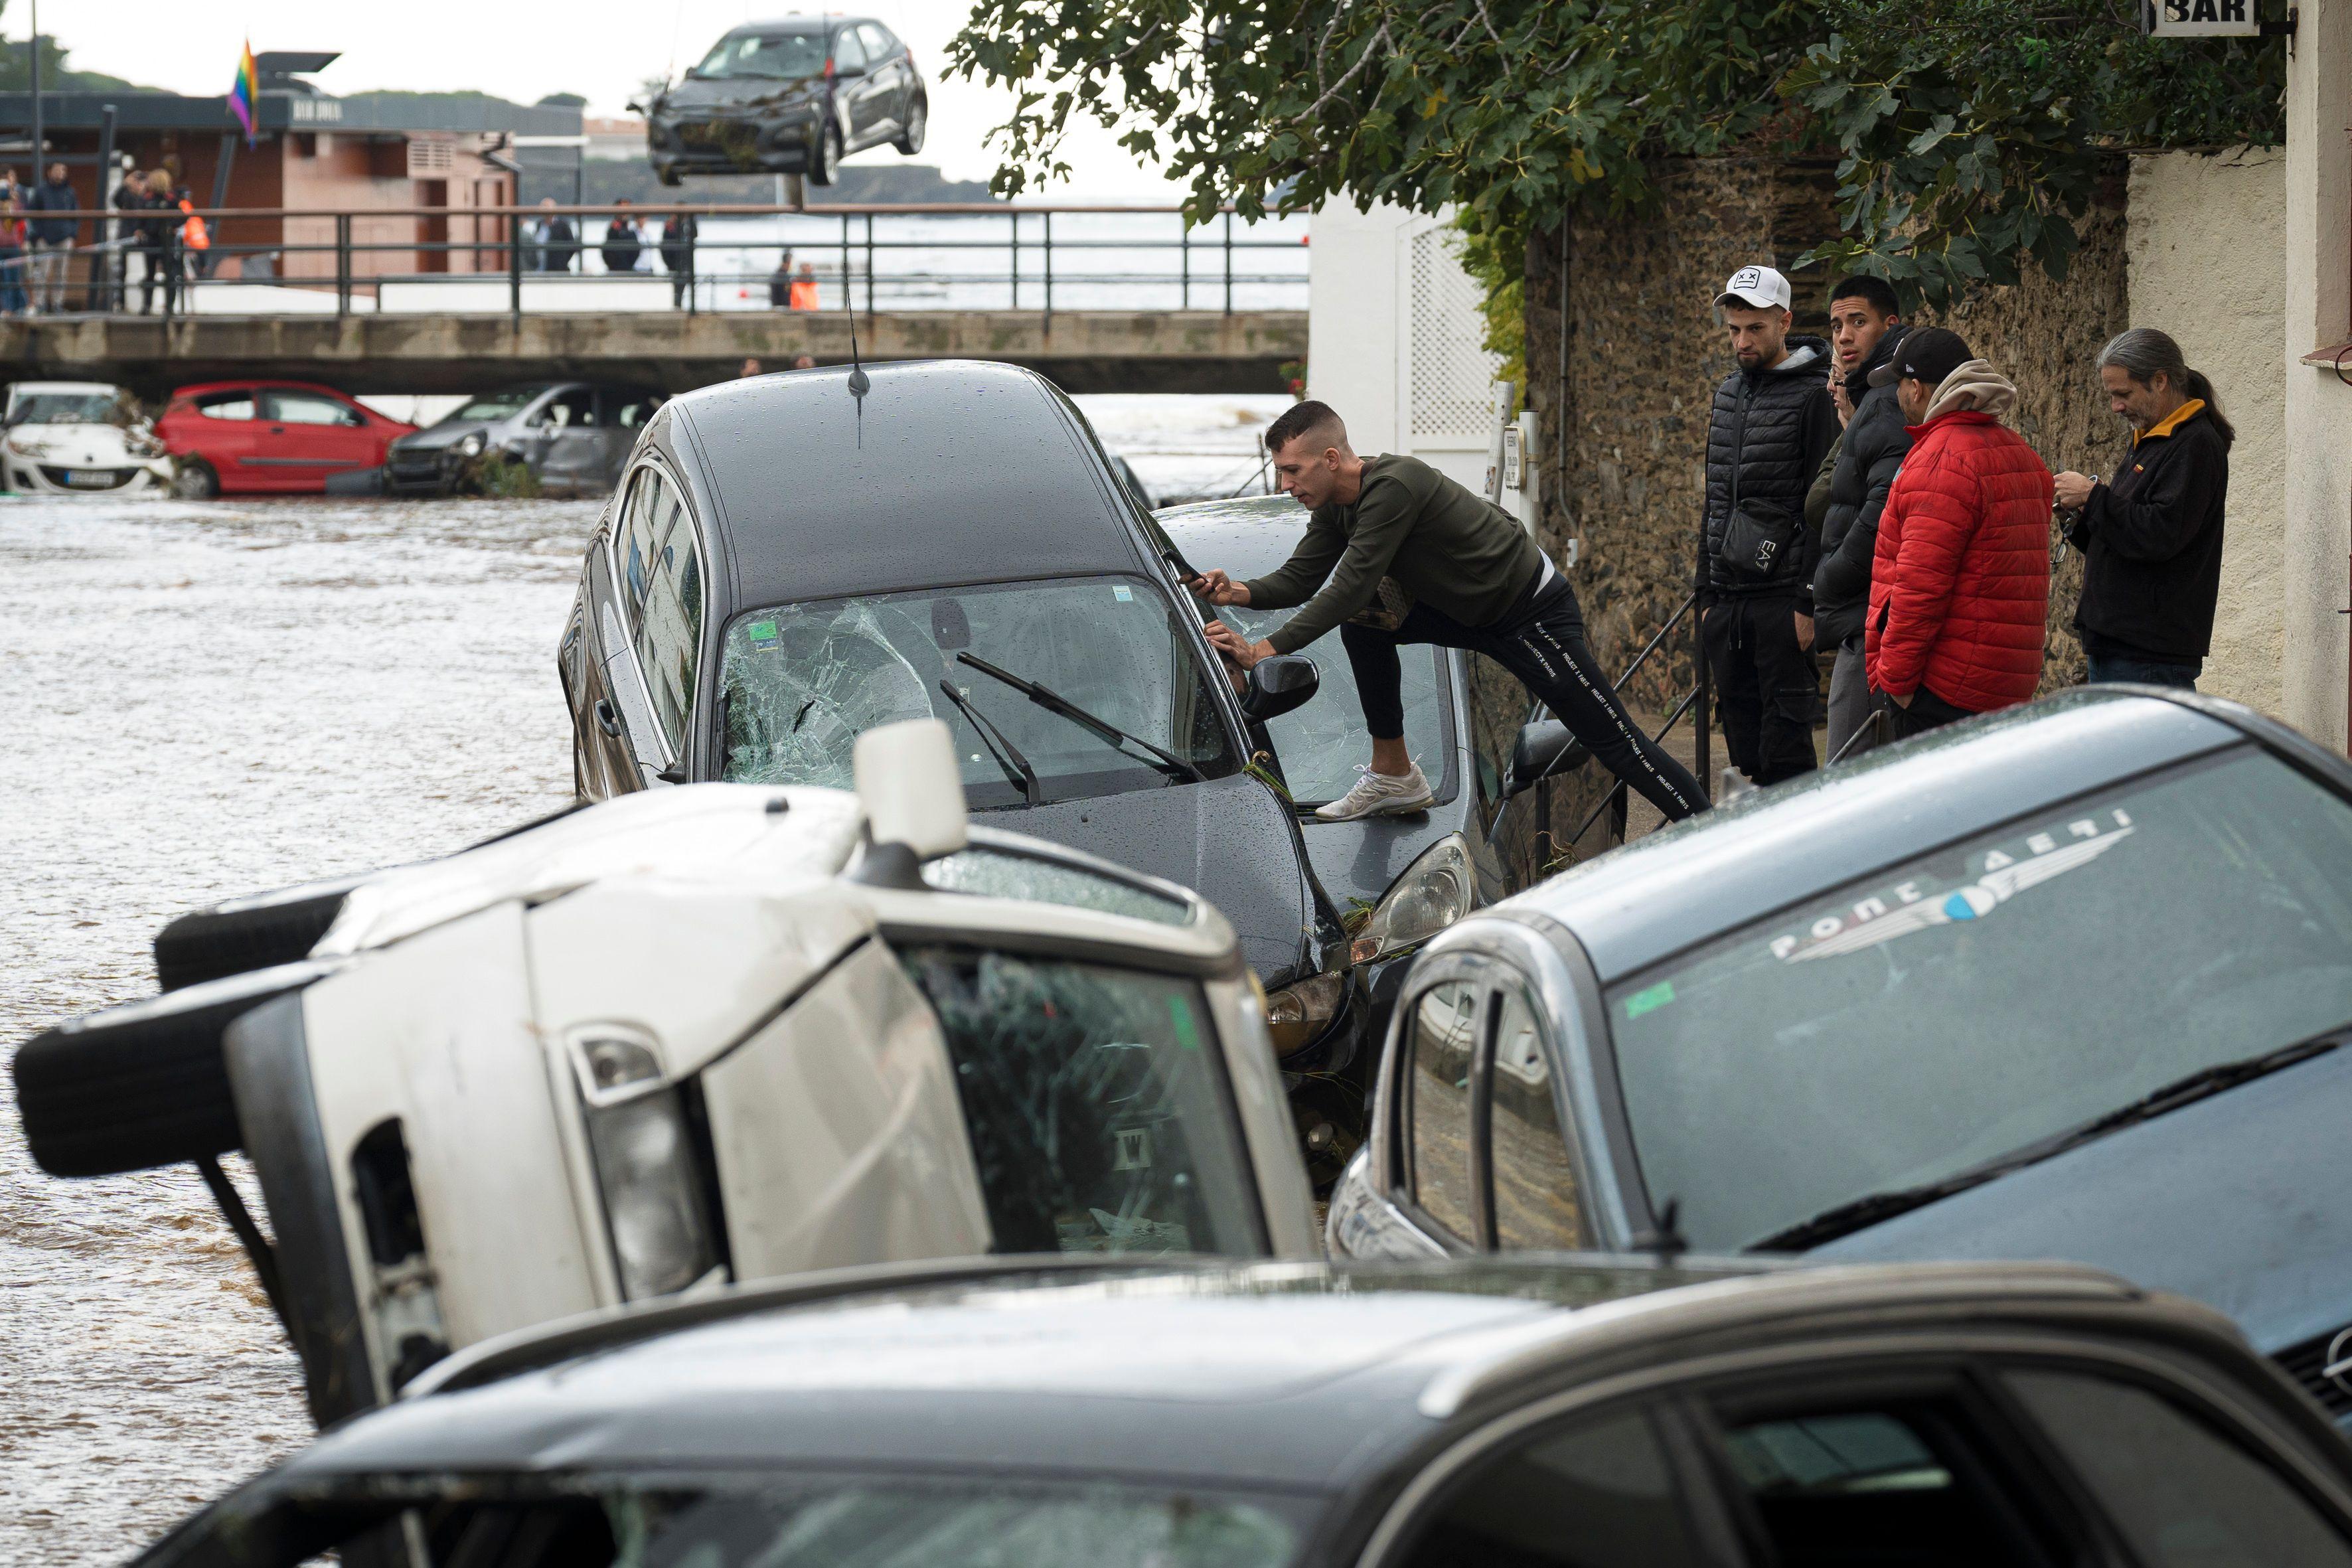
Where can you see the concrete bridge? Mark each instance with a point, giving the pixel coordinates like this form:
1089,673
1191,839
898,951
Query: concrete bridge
1081,350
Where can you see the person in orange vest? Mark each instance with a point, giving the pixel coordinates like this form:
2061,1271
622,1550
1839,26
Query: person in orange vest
195,240
804,289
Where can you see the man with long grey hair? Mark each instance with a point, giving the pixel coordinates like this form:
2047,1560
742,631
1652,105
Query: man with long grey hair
2151,536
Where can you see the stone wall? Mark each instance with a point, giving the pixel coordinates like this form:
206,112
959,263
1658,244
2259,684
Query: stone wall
1623,458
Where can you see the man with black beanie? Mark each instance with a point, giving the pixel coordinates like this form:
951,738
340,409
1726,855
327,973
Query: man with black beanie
1771,426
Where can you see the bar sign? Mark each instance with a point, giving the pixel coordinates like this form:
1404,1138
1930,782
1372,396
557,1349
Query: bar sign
2199,18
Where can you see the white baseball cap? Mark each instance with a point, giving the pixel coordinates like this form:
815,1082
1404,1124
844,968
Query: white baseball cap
1758,286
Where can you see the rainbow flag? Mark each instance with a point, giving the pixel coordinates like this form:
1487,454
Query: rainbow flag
244,90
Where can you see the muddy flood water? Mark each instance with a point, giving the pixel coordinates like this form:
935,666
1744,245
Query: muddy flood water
204,700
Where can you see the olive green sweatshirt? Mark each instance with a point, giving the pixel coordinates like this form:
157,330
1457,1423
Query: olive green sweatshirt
1452,550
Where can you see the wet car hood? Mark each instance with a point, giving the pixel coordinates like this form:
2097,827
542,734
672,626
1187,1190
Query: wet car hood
1359,859
1229,839
2236,1201
696,95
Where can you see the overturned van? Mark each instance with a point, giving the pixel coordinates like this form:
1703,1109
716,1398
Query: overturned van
725,1032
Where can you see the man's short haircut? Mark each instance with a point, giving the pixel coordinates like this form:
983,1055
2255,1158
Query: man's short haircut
1307,418
1876,292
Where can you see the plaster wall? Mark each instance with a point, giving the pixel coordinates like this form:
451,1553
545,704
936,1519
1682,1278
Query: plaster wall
2316,537
2208,264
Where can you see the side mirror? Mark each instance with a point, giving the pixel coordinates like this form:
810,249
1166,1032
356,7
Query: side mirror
1545,750
912,792
1279,684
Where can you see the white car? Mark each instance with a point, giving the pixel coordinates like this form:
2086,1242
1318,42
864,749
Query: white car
711,1033
79,438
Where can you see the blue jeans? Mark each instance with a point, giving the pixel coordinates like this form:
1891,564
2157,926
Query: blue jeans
2144,671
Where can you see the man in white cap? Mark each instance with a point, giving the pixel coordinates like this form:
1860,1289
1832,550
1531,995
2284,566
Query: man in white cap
1771,426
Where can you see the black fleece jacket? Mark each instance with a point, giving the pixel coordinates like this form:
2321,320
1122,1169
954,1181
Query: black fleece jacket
1875,440
2151,542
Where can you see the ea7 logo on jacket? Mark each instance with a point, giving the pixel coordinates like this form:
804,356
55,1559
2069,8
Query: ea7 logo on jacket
1767,551
2044,856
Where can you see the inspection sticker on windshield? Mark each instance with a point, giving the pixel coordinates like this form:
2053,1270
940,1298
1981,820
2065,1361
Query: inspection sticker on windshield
1649,1000
763,634
1122,592
1909,907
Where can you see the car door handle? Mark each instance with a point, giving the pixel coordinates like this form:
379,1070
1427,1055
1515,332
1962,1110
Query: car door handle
278,429
605,721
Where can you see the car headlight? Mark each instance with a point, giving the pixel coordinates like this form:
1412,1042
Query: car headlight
1296,1013
471,446
646,1169
1435,890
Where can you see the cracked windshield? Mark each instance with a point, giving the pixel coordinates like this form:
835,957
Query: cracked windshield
1097,1113
802,681
1877,996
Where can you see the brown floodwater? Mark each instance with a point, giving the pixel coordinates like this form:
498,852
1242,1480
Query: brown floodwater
200,702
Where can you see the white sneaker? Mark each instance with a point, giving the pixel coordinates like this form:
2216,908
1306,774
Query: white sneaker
1379,794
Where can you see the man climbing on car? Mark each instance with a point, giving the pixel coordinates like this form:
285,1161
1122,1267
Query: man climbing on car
1399,554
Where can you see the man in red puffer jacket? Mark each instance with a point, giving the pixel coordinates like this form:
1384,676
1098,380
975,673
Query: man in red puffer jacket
1959,586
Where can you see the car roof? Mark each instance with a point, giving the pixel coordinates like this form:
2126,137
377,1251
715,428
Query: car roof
942,473
1088,1365
1686,884
798,22
1249,536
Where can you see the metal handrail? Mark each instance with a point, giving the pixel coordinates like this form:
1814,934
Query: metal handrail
492,235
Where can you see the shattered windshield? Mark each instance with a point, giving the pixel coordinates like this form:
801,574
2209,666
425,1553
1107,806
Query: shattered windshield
1099,1116
68,408
1323,743
801,682
491,406
764,57
1953,1009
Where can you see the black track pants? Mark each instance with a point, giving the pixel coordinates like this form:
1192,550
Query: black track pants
1540,640
1767,688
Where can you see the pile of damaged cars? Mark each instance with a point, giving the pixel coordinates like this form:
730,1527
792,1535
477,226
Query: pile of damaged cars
2069,981
786,566
727,1033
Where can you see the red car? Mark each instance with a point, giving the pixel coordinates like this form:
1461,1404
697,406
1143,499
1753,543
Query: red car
242,436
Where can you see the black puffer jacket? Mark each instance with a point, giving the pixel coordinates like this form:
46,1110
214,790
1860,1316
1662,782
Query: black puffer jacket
2151,541
1765,441
1875,440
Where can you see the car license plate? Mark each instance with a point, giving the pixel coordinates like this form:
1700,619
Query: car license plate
90,478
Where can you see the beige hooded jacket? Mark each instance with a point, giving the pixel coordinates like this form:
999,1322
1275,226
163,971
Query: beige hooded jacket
1974,386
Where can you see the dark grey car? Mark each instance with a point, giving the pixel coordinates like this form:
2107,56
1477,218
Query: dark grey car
2070,982
795,559
574,437
1579,1412
793,96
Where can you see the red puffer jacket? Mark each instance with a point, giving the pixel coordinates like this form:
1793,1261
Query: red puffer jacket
1959,587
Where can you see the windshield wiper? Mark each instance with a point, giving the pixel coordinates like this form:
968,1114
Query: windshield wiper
1000,746
1053,701
1871,1208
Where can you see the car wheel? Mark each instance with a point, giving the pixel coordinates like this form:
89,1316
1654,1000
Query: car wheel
142,1085
918,116
828,155
249,934
193,480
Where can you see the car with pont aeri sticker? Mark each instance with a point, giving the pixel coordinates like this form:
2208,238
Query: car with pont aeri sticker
2069,982
722,1033
1571,1413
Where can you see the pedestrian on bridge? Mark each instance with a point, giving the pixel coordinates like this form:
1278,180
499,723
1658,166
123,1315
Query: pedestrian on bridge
52,241
12,258
803,296
678,236
2151,536
1399,554
623,243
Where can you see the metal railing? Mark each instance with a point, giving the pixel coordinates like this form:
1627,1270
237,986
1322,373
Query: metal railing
1617,802
943,255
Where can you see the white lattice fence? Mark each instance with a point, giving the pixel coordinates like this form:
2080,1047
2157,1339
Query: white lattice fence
1448,373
